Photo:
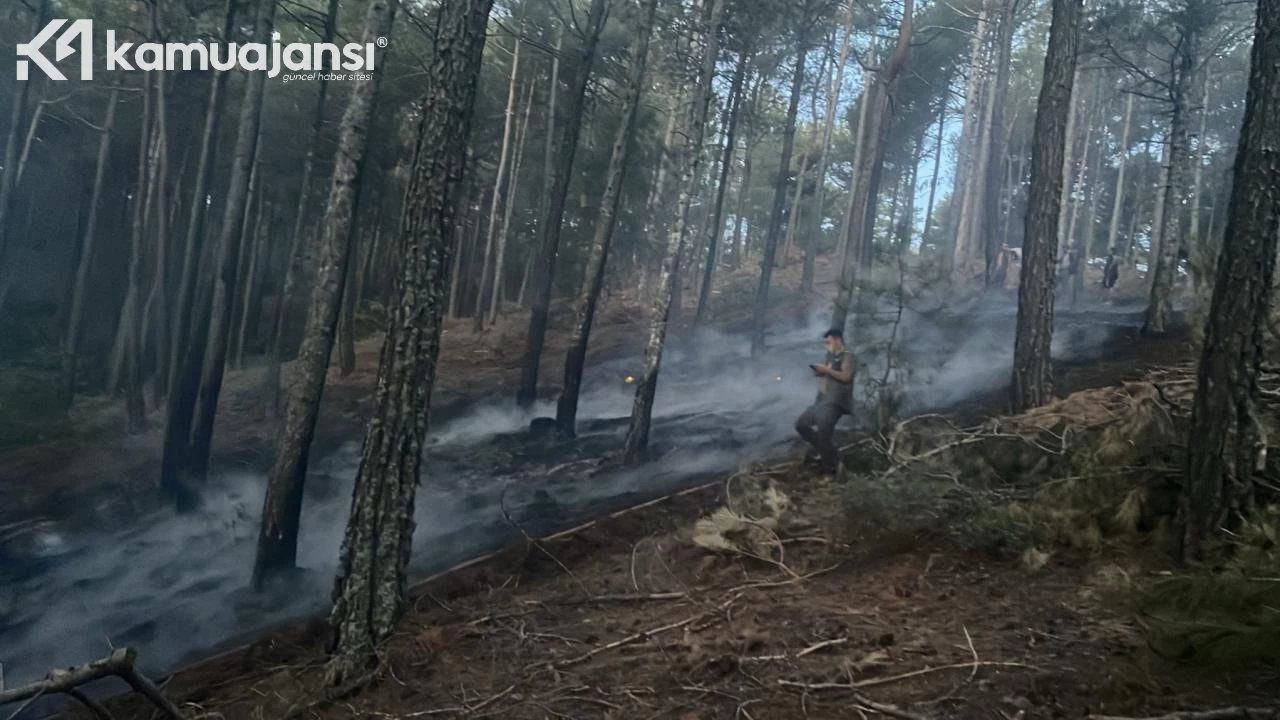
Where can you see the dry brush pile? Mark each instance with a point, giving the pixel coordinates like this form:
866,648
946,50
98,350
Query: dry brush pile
1097,472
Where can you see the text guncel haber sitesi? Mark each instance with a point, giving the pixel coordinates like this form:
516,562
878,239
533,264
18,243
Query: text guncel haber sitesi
326,77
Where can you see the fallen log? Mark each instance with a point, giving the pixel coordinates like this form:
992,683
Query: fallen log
121,664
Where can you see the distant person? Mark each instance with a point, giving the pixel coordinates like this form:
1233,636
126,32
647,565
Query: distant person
817,424
1111,273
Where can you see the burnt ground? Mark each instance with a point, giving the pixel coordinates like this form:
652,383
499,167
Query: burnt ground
89,472
627,618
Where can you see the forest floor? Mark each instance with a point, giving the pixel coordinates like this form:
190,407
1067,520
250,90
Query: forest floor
90,468
646,614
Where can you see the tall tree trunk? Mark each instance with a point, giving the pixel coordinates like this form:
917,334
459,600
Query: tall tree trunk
1197,245
369,592
282,508
686,160
1032,384
158,302
977,159
739,242
1068,165
820,194
9,173
1084,235
576,359
865,180
1080,182
907,225
193,246
329,30
346,331
971,124
859,135
549,243
937,167
500,184
761,306
715,226
1117,203
196,463
75,316
793,215
275,348
254,250
997,142
1227,440
130,327
499,294
1160,308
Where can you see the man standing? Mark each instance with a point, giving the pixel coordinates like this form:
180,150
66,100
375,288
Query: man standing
817,424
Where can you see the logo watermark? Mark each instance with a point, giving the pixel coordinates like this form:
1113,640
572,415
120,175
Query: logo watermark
274,58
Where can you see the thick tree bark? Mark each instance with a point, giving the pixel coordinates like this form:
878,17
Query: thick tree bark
282,509
687,157
1165,263
1032,363
549,242
208,350
369,592
761,307
75,316
1227,441
865,181
715,225
575,361
501,185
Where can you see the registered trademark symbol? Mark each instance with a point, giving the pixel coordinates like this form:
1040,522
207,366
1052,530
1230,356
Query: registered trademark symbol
382,42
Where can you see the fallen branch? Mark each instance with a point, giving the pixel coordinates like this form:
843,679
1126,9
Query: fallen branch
66,682
1235,713
638,637
904,676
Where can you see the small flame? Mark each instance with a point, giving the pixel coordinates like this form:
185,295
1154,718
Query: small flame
778,378
629,379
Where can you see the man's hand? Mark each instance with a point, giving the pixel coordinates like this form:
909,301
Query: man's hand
819,370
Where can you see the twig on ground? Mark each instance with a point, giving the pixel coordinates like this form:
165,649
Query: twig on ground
807,651
866,703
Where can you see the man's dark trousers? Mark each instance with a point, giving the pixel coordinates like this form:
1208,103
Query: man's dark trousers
817,425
